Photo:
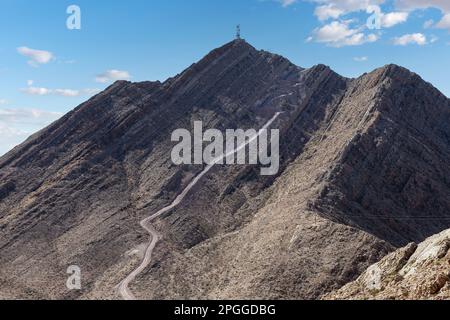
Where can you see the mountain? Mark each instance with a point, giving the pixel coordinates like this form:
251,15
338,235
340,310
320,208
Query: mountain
413,272
364,170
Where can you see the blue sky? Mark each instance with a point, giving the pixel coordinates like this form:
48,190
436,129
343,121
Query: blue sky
47,69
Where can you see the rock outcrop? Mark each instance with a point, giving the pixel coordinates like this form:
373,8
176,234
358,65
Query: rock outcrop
413,272
364,170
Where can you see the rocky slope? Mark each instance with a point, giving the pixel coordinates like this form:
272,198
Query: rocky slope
413,272
364,170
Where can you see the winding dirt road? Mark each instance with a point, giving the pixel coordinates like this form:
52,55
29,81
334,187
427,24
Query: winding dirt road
124,290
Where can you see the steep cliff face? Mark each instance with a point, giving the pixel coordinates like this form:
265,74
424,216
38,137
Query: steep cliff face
364,169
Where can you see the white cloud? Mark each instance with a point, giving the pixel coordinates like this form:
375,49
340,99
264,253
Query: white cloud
36,56
17,124
391,19
360,59
36,91
3,101
444,23
328,11
433,38
336,8
30,82
428,24
75,93
66,92
443,5
25,115
284,3
339,34
112,75
59,92
415,38
10,137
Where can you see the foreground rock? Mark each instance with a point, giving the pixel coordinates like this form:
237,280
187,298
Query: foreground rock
414,272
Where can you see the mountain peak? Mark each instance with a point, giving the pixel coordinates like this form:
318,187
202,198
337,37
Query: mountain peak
396,71
239,46
241,43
